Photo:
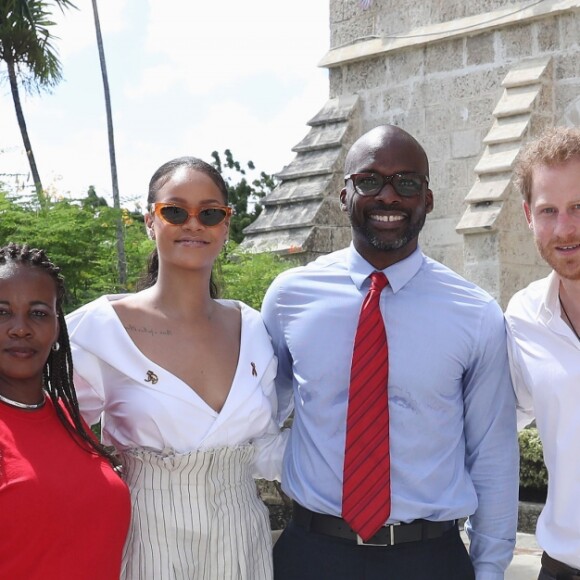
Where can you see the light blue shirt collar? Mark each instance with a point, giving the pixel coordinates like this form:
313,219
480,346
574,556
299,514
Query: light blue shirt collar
399,274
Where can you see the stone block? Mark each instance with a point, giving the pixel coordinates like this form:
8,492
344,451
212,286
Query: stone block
567,65
517,100
335,82
281,242
547,33
300,189
466,143
486,275
341,237
475,84
480,247
527,72
412,120
438,118
571,116
448,202
405,65
498,162
441,232
566,93
438,147
329,213
437,90
479,49
476,112
516,277
367,74
569,31
287,216
508,129
399,97
337,109
457,171
514,42
444,56
322,137
479,218
493,187
312,163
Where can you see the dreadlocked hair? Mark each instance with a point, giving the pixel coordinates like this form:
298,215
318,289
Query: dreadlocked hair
58,370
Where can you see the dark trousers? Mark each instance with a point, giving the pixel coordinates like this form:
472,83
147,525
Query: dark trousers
303,555
553,570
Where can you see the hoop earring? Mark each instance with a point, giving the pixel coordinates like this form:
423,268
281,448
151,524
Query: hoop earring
55,347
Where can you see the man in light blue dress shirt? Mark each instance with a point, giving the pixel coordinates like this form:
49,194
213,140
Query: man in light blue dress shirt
453,444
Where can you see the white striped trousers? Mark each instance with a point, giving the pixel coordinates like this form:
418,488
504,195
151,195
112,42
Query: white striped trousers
195,516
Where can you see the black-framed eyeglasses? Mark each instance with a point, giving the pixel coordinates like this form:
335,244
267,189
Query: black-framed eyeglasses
177,215
370,183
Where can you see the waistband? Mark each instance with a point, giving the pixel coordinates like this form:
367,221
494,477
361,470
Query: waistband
559,570
390,535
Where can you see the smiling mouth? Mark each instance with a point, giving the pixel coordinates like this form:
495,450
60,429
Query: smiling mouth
568,247
191,242
387,218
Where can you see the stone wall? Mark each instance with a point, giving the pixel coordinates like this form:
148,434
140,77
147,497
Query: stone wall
448,71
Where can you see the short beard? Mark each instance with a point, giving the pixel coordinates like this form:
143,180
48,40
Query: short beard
559,265
378,243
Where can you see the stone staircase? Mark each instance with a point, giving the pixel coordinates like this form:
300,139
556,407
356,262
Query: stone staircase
520,112
301,216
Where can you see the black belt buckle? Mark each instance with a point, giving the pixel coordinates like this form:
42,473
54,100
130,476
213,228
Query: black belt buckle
389,529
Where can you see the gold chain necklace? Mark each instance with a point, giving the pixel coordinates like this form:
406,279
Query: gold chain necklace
568,318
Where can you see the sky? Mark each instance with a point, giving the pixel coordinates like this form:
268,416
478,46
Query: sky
187,77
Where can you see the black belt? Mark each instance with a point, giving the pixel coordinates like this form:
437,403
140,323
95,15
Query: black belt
559,570
390,535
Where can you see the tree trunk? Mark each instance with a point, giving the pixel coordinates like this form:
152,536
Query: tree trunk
121,259
24,132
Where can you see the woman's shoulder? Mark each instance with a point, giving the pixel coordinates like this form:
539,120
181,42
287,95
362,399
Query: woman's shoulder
249,315
98,311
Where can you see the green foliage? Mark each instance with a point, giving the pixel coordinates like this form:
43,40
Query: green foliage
533,473
243,195
26,41
79,235
246,277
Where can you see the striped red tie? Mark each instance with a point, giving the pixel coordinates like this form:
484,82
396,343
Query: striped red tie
366,490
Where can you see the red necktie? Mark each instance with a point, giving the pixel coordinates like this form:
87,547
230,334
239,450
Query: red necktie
366,488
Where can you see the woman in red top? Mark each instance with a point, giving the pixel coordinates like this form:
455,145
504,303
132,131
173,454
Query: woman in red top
64,512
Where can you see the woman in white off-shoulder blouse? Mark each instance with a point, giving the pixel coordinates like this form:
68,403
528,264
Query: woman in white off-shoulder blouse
183,385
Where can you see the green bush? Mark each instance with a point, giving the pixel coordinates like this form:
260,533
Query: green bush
533,473
246,277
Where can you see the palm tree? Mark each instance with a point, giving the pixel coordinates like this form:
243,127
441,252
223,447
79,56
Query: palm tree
31,59
121,260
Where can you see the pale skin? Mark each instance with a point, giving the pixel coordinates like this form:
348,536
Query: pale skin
176,323
553,215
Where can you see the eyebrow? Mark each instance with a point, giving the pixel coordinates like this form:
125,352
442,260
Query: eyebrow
33,303
181,201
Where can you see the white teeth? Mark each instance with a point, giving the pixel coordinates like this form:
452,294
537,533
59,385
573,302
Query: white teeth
388,218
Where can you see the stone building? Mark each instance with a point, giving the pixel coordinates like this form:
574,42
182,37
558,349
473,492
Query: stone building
473,80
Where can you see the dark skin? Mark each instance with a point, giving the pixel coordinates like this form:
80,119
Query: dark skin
385,227
28,329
